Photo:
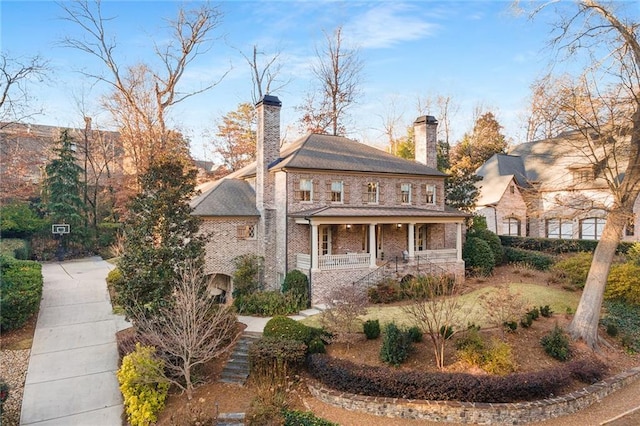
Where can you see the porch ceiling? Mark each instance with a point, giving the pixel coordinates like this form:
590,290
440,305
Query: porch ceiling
383,214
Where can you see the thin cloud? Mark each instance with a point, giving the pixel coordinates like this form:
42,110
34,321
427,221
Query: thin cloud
386,26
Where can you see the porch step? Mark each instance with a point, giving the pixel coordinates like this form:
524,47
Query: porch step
236,370
309,312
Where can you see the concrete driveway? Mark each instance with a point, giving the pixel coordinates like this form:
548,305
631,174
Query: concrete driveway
71,377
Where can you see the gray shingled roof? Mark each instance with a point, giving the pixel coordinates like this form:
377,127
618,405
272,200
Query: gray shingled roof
227,197
346,212
336,153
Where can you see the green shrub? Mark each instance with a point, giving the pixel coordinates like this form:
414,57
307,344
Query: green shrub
526,320
471,347
478,256
317,346
143,385
21,290
556,344
612,330
107,233
573,270
304,418
284,328
18,220
414,334
537,260
623,283
395,345
371,329
9,247
510,325
386,291
535,313
633,254
494,242
546,311
624,318
498,358
247,275
296,282
269,303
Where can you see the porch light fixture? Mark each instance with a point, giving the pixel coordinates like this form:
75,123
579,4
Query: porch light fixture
399,225
348,226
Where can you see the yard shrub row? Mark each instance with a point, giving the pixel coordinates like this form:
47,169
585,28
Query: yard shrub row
21,289
345,376
623,319
537,260
555,245
269,303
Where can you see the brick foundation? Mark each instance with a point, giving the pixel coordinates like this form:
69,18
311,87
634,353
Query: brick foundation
475,413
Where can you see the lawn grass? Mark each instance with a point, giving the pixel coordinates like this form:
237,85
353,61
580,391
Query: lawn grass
560,301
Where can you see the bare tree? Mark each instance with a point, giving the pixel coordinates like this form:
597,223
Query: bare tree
605,115
503,306
542,121
437,310
264,74
338,72
345,303
142,97
192,330
444,108
16,74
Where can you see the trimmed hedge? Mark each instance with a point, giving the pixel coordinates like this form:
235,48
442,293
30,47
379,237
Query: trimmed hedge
297,282
478,256
269,303
556,245
537,260
278,357
304,418
346,376
21,289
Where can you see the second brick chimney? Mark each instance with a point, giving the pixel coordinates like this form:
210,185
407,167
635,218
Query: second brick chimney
425,130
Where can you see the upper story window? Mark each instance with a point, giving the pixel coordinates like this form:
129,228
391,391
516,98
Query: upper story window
583,175
373,193
591,228
511,226
337,191
246,232
559,228
405,193
306,190
430,194
512,189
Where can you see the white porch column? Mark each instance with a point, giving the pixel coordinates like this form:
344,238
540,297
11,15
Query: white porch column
412,242
314,247
372,245
459,241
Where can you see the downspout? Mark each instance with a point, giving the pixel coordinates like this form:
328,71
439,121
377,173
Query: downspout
310,260
495,217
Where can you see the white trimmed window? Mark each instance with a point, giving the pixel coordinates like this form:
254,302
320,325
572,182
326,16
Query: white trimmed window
430,194
511,226
337,191
373,192
420,237
559,228
306,189
591,228
246,232
405,193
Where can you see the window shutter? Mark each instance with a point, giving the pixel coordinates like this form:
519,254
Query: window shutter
399,193
328,192
314,194
380,193
345,192
297,195
365,194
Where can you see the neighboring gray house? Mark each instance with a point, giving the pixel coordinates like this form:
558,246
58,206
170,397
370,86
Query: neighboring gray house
553,188
331,207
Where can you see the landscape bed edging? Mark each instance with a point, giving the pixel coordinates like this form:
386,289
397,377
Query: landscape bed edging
475,412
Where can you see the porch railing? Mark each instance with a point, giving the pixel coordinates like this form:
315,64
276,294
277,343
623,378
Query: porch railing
344,261
447,255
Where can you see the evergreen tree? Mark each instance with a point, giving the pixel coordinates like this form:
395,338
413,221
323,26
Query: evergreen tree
161,236
63,188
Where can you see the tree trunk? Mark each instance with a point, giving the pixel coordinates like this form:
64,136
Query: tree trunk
585,322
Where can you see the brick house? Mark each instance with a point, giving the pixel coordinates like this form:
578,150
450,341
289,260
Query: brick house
551,189
333,208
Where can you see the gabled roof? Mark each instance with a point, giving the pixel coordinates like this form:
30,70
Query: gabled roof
504,165
492,189
226,197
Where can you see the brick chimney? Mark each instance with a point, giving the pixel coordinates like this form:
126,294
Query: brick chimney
425,136
267,149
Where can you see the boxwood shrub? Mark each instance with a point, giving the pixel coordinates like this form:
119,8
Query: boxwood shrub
21,289
556,245
346,376
536,259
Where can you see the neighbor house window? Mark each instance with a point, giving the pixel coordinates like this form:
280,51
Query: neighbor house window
591,228
372,193
582,175
306,189
337,191
630,228
511,226
405,193
430,194
420,237
559,228
246,232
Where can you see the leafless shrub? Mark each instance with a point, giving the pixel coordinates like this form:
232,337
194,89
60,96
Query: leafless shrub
504,306
345,304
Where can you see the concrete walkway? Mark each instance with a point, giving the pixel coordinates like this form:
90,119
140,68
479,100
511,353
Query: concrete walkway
71,377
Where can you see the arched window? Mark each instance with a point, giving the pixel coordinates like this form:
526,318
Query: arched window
511,226
591,228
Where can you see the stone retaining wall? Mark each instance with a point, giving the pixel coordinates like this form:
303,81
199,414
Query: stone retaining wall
472,412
